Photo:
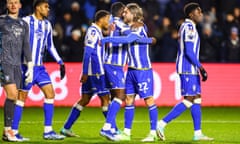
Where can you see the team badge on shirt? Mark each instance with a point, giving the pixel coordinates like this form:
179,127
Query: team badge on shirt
189,33
91,37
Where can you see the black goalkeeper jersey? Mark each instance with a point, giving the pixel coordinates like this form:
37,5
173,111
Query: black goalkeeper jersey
15,41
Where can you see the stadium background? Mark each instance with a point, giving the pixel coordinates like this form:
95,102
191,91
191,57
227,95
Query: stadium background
70,19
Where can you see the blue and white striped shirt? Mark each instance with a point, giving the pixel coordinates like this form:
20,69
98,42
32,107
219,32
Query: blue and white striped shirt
138,53
188,50
40,35
116,54
93,64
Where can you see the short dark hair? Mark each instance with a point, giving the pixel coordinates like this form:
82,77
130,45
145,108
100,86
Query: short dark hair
188,8
38,2
116,7
100,14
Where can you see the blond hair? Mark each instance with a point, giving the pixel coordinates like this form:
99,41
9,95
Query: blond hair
137,12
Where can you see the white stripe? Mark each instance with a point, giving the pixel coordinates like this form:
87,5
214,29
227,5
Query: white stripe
136,121
20,103
49,101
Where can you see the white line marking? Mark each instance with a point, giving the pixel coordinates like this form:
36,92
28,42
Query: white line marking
175,121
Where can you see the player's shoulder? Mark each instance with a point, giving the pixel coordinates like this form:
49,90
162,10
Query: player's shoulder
93,31
23,22
3,16
188,25
28,18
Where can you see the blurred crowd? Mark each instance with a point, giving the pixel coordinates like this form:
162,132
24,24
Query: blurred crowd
219,31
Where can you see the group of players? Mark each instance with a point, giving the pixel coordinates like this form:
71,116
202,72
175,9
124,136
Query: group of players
102,73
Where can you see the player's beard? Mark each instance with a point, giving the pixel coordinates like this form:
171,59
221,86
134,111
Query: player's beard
44,16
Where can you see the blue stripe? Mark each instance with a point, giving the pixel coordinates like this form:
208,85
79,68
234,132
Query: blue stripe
31,32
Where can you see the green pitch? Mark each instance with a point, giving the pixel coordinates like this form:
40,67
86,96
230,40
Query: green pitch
221,123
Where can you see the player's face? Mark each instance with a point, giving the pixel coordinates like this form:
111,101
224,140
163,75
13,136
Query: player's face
127,16
105,22
43,9
13,6
197,15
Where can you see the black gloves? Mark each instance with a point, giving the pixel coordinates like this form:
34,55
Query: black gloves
62,71
203,74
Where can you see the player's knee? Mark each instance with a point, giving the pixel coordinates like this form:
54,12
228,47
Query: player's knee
187,103
129,100
197,101
84,102
105,100
22,95
149,101
50,96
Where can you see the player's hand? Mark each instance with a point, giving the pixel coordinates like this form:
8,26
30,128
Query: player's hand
154,40
84,78
29,73
203,74
62,71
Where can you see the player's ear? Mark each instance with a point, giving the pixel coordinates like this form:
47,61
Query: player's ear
190,15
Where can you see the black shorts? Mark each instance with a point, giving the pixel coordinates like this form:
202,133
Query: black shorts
12,75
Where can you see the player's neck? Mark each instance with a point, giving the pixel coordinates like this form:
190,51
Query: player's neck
38,16
14,16
99,25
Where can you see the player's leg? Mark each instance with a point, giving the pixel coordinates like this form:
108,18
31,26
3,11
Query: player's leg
44,83
48,108
196,116
105,99
178,109
145,91
115,81
129,106
11,83
128,119
119,96
153,117
74,115
77,108
8,111
104,95
22,96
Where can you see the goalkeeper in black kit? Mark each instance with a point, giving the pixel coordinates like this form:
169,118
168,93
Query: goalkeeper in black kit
14,36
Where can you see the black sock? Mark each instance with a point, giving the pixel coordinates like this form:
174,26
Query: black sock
9,106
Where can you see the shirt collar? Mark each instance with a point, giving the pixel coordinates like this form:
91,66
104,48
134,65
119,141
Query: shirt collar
95,25
189,20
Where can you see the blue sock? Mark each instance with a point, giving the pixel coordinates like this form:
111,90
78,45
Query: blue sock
17,116
48,113
196,116
153,115
128,116
75,113
112,113
175,112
